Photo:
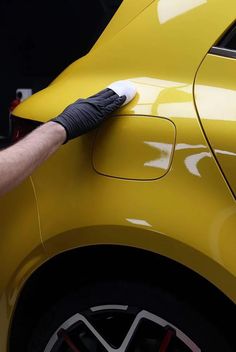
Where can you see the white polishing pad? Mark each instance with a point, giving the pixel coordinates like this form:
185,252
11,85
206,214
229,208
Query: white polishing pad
126,88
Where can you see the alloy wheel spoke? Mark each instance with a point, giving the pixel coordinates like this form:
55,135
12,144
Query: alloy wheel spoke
100,328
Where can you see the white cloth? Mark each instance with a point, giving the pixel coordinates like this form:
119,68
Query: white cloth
126,88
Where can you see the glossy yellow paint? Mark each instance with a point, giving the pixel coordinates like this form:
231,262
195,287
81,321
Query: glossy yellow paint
125,14
187,215
134,147
20,250
215,94
146,47
194,185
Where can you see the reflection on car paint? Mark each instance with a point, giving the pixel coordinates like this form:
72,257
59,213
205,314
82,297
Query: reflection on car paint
183,110
163,162
192,161
153,98
182,146
224,152
224,107
150,141
139,222
170,9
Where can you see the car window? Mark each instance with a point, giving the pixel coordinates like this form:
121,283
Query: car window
226,46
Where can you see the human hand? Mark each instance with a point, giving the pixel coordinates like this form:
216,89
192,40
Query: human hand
87,114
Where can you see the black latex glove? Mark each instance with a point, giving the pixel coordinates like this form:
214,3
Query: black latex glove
87,114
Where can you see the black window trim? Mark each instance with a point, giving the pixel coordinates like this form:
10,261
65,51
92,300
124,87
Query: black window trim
215,50
220,47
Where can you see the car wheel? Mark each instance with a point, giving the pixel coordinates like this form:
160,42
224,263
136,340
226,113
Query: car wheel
124,317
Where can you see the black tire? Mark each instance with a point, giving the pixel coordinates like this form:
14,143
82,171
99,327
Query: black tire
164,305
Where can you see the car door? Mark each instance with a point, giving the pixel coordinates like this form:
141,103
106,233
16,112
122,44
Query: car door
215,95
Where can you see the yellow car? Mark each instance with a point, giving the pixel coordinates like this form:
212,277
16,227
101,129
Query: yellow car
125,239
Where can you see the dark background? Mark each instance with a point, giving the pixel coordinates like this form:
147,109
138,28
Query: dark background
39,38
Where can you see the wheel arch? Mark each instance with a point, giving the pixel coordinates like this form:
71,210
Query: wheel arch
51,280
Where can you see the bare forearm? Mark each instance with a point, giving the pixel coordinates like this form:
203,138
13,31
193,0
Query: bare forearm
18,161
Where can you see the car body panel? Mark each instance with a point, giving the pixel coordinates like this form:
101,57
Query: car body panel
215,94
21,250
189,214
